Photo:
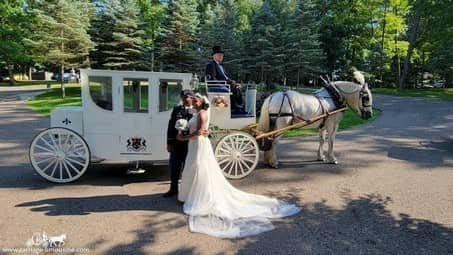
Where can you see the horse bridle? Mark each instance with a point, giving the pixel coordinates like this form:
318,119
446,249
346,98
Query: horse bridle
364,98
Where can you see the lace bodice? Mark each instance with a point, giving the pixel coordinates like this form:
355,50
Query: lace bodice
193,123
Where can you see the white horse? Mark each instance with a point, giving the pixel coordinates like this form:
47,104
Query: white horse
290,107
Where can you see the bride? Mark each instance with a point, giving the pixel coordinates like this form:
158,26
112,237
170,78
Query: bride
214,206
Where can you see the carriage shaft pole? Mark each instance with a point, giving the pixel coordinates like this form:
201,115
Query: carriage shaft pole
299,124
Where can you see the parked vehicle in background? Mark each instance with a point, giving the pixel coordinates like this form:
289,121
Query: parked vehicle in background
4,79
439,84
66,77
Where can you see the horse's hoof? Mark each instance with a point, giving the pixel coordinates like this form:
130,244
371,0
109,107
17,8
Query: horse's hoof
335,162
322,159
274,165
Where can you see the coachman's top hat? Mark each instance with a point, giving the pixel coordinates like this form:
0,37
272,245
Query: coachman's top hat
216,49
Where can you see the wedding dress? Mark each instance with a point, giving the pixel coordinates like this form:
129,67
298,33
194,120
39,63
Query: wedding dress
214,206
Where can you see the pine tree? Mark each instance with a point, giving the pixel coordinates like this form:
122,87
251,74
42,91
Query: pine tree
305,57
261,43
124,51
218,28
177,37
151,16
62,33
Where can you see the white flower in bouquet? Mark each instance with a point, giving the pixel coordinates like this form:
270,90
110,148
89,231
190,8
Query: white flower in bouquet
182,125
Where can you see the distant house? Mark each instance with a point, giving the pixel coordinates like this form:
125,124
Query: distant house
46,76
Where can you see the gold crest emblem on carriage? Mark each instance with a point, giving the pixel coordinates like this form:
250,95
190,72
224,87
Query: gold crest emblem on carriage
136,144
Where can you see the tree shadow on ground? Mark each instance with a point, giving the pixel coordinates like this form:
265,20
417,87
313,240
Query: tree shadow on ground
363,226
146,235
99,204
23,176
161,221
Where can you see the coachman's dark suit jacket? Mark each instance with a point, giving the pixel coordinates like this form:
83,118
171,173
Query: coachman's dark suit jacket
213,72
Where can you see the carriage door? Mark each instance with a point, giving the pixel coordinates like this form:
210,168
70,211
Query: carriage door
135,119
168,96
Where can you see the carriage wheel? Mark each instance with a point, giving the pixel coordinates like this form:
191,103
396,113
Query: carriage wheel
237,154
59,155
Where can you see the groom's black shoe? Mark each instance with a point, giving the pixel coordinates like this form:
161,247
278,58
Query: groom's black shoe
170,193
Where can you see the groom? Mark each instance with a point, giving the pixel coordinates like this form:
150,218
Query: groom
177,149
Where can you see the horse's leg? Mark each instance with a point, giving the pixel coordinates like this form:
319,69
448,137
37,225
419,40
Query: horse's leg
270,156
332,128
322,139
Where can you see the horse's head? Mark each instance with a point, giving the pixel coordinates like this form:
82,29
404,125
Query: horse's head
366,102
357,96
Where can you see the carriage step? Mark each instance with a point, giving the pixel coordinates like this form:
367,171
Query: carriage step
241,115
135,171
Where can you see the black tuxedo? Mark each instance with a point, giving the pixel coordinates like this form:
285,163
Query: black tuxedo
214,73
179,148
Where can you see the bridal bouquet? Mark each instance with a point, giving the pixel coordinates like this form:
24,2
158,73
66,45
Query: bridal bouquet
182,125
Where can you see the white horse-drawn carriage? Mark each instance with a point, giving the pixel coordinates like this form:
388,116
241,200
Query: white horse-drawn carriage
124,116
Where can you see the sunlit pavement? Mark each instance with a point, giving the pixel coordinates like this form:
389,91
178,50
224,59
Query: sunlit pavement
392,193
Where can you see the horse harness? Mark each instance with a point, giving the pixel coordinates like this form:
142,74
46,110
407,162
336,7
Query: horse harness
274,116
331,89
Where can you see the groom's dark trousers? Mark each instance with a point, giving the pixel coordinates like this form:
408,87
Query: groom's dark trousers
176,165
177,149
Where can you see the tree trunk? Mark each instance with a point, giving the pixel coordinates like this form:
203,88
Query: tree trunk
298,78
29,73
398,65
382,40
11,74
415,24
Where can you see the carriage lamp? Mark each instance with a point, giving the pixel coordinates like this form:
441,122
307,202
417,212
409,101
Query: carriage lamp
194,83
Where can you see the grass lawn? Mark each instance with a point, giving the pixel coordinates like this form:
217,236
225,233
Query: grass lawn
435,93
44,103
350,119
29,83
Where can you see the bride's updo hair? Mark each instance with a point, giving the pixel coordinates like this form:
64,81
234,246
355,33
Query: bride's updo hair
204,101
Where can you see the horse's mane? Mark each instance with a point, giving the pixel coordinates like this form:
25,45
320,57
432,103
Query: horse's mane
348,87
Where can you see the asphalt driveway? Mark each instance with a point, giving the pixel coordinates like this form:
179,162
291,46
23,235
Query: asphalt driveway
392,193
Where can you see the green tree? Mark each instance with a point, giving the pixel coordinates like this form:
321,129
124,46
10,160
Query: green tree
151,16
125,48
303,49
14,22
261,43
218,27
61,36
178,35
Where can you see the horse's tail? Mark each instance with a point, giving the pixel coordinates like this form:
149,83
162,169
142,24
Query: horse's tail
264,123
359,77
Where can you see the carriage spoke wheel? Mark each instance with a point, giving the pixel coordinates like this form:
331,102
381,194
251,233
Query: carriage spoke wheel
237,154
59,155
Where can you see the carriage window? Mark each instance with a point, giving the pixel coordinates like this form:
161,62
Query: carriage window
101,91
135,95
169,91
